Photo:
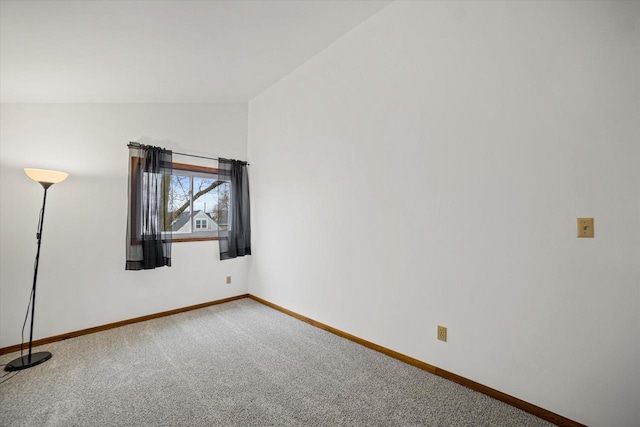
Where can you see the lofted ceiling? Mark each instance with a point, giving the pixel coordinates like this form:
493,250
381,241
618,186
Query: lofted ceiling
162,51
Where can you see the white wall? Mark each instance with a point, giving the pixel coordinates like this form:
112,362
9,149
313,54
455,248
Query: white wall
82,281
428,168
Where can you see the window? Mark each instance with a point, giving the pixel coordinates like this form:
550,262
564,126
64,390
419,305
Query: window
198,203
195,204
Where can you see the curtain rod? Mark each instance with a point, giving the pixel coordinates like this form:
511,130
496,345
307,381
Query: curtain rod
133,144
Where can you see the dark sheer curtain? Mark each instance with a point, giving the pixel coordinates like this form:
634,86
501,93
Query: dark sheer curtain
235,241
148,234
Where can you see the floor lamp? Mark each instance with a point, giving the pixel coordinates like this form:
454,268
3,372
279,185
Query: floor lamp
46,178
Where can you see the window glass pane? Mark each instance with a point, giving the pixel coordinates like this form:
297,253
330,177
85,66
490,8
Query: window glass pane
179,204
154,190
208,199
220,212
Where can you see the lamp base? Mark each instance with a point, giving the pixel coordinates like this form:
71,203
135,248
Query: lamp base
23,362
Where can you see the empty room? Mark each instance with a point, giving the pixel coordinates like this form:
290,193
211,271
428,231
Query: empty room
319,213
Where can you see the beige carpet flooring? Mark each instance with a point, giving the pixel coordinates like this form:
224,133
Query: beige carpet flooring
235,364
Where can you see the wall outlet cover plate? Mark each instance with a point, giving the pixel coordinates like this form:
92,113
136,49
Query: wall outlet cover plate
442,333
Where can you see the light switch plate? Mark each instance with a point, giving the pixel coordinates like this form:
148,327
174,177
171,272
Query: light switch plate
585,227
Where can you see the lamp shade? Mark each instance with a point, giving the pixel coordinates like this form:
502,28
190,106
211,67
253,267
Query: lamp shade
44,176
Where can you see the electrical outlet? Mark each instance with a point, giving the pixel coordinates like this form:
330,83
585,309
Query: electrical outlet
442,333
228,280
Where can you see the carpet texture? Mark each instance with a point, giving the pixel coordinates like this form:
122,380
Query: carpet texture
235,364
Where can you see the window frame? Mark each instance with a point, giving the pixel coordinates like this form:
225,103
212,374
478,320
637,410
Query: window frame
192,171
201,172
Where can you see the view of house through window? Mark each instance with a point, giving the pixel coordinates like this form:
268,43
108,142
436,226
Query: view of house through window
197,203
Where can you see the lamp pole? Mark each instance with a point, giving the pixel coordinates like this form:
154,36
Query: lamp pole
35,272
